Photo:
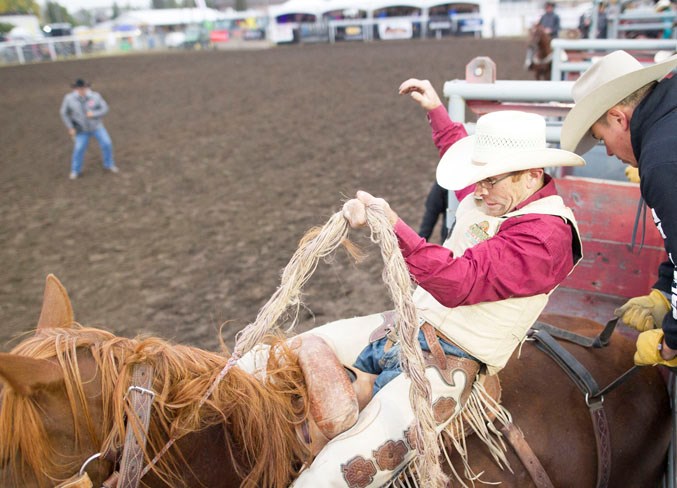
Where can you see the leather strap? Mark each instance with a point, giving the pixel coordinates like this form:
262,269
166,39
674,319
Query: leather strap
601,428
601,340
565,360
524,452
587,384
141,399
77,481
434,345
112,480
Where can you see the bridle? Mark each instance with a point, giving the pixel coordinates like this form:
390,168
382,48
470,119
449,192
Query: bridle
140,397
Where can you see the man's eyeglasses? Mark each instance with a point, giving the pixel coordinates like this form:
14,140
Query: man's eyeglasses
489,183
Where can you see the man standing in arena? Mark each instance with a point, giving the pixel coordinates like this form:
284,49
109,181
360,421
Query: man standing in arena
81,111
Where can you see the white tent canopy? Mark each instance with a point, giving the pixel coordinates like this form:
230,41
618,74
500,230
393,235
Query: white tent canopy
318,7
169,16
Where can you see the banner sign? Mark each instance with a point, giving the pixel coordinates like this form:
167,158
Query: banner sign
395,29
282,33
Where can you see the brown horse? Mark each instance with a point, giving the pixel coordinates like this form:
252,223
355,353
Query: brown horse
539,53
64,399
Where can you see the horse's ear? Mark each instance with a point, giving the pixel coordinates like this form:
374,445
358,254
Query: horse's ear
56,306
27,375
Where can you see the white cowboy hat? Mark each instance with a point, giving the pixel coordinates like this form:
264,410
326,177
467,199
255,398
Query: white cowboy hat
662,5
603,85
503,142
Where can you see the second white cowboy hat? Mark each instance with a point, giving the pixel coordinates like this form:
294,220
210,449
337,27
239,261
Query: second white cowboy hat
503,142
603,85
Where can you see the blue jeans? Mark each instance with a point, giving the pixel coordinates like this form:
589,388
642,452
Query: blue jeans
81,143
386,364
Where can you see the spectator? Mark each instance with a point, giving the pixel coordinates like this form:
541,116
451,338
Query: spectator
584,23
601,21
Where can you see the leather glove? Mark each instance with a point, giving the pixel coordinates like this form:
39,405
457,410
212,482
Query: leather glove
632,174
644,313
648,353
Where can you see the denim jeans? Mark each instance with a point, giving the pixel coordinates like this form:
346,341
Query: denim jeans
81,143
386,364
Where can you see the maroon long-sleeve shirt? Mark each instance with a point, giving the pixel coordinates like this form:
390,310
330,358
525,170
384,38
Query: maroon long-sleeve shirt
529,255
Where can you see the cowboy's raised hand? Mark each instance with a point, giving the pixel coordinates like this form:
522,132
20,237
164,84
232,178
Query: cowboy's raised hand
421,91
355,210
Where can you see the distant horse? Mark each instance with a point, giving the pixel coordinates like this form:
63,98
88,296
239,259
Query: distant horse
539,53
65,388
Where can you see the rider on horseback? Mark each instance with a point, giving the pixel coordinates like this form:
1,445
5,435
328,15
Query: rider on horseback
514,241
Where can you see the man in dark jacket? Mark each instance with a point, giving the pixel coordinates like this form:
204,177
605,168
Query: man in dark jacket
633,110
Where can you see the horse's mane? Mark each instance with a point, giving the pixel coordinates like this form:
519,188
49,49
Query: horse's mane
258,415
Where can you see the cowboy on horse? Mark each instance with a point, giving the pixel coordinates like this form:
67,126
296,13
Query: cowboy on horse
474,303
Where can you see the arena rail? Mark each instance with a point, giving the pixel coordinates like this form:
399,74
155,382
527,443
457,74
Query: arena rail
574,56
642,22
64,47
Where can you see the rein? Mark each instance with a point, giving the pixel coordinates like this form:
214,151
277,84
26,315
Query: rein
140,398
543,336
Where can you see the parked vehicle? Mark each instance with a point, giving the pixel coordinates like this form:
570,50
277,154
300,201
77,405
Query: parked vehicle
58,29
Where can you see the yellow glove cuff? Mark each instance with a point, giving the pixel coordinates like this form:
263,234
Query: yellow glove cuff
647,353
632,174
658,297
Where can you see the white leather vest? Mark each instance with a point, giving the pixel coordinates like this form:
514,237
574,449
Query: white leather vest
490,331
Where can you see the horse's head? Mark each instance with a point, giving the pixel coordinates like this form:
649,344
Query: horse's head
540,39
48,396
64,398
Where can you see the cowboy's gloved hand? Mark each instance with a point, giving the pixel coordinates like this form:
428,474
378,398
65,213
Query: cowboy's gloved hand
355,210
648,352
644,313
421,91
632,174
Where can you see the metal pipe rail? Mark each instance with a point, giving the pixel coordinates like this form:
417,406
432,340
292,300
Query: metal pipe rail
640,21
560,64
543,97
71,42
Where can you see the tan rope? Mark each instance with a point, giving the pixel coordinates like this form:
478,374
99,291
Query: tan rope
295,275
396,276
397,279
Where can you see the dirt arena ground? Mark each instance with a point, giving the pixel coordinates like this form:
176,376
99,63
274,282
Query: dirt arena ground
226,159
